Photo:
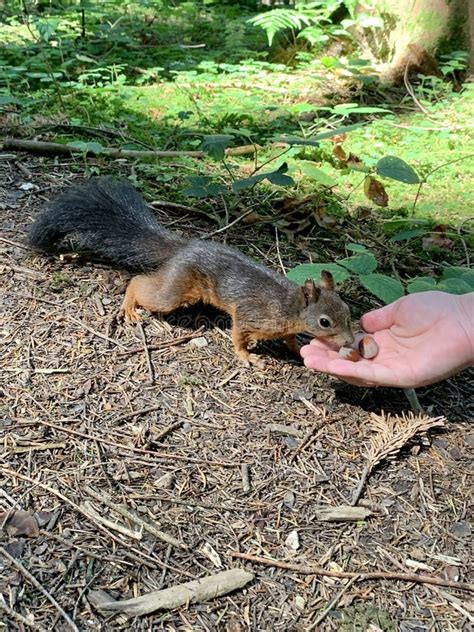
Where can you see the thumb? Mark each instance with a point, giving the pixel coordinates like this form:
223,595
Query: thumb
382,318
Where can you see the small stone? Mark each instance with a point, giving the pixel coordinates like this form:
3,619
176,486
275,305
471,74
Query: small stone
106,301
199,342
461,529
291,442
289,499
293,540
469,439
165,481
300,603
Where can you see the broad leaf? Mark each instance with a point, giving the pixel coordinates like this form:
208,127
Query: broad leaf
337,131
363,263
216,145
459,272
397,169
454,286
315,173
421,284
275,177
296,140
404,235
313,271
383,287
356,248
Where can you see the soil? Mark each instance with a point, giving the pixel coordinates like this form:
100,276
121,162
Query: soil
163,421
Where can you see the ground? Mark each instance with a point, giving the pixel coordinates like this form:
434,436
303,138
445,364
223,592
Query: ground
170,427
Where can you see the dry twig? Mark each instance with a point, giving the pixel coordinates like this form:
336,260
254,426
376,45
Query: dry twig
316,570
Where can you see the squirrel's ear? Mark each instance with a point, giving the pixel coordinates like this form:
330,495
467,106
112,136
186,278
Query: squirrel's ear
327,281
310,291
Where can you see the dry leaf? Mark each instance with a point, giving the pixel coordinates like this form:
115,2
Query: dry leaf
437,239
323,219
339,139
20,523
339,153
354,162
375,191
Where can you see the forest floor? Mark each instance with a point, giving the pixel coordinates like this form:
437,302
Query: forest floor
162,421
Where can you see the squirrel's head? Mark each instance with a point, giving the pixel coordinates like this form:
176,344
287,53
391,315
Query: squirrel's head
325,314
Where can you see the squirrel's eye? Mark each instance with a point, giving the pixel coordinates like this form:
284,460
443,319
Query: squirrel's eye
324,322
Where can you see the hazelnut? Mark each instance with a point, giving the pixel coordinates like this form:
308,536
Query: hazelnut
349,354
368,348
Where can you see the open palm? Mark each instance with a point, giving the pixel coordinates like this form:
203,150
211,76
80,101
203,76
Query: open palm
422,338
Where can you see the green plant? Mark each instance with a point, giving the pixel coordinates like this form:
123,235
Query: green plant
313,21
362,267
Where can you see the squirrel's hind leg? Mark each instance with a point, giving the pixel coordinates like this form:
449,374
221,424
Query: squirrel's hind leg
153,293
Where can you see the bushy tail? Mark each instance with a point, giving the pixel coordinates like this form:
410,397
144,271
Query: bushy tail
107,217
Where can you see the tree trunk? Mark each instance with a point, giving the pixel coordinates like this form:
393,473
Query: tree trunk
411,35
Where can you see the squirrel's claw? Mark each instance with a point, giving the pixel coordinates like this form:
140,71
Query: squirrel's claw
130,316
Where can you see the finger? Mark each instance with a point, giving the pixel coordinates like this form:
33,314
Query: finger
379,318
317,349
364,372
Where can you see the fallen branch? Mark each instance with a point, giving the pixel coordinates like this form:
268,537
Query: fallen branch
196,591
60,149
317,570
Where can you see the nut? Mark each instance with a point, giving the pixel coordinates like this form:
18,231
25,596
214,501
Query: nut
368,348
349,354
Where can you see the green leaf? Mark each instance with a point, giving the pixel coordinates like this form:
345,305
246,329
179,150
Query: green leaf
353,108
202,187
280,179
86,59
275,177
337,131
459,272
300,273
216,145
356,248
454,286
296,140
94,147
421,284
404,235
383,287
315,173
364,263
397,169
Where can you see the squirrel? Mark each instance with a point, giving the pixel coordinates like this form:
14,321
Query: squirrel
108,217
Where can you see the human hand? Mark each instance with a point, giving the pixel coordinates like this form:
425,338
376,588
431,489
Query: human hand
422,338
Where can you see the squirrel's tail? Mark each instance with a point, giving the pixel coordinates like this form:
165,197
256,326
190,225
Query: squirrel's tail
107,217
